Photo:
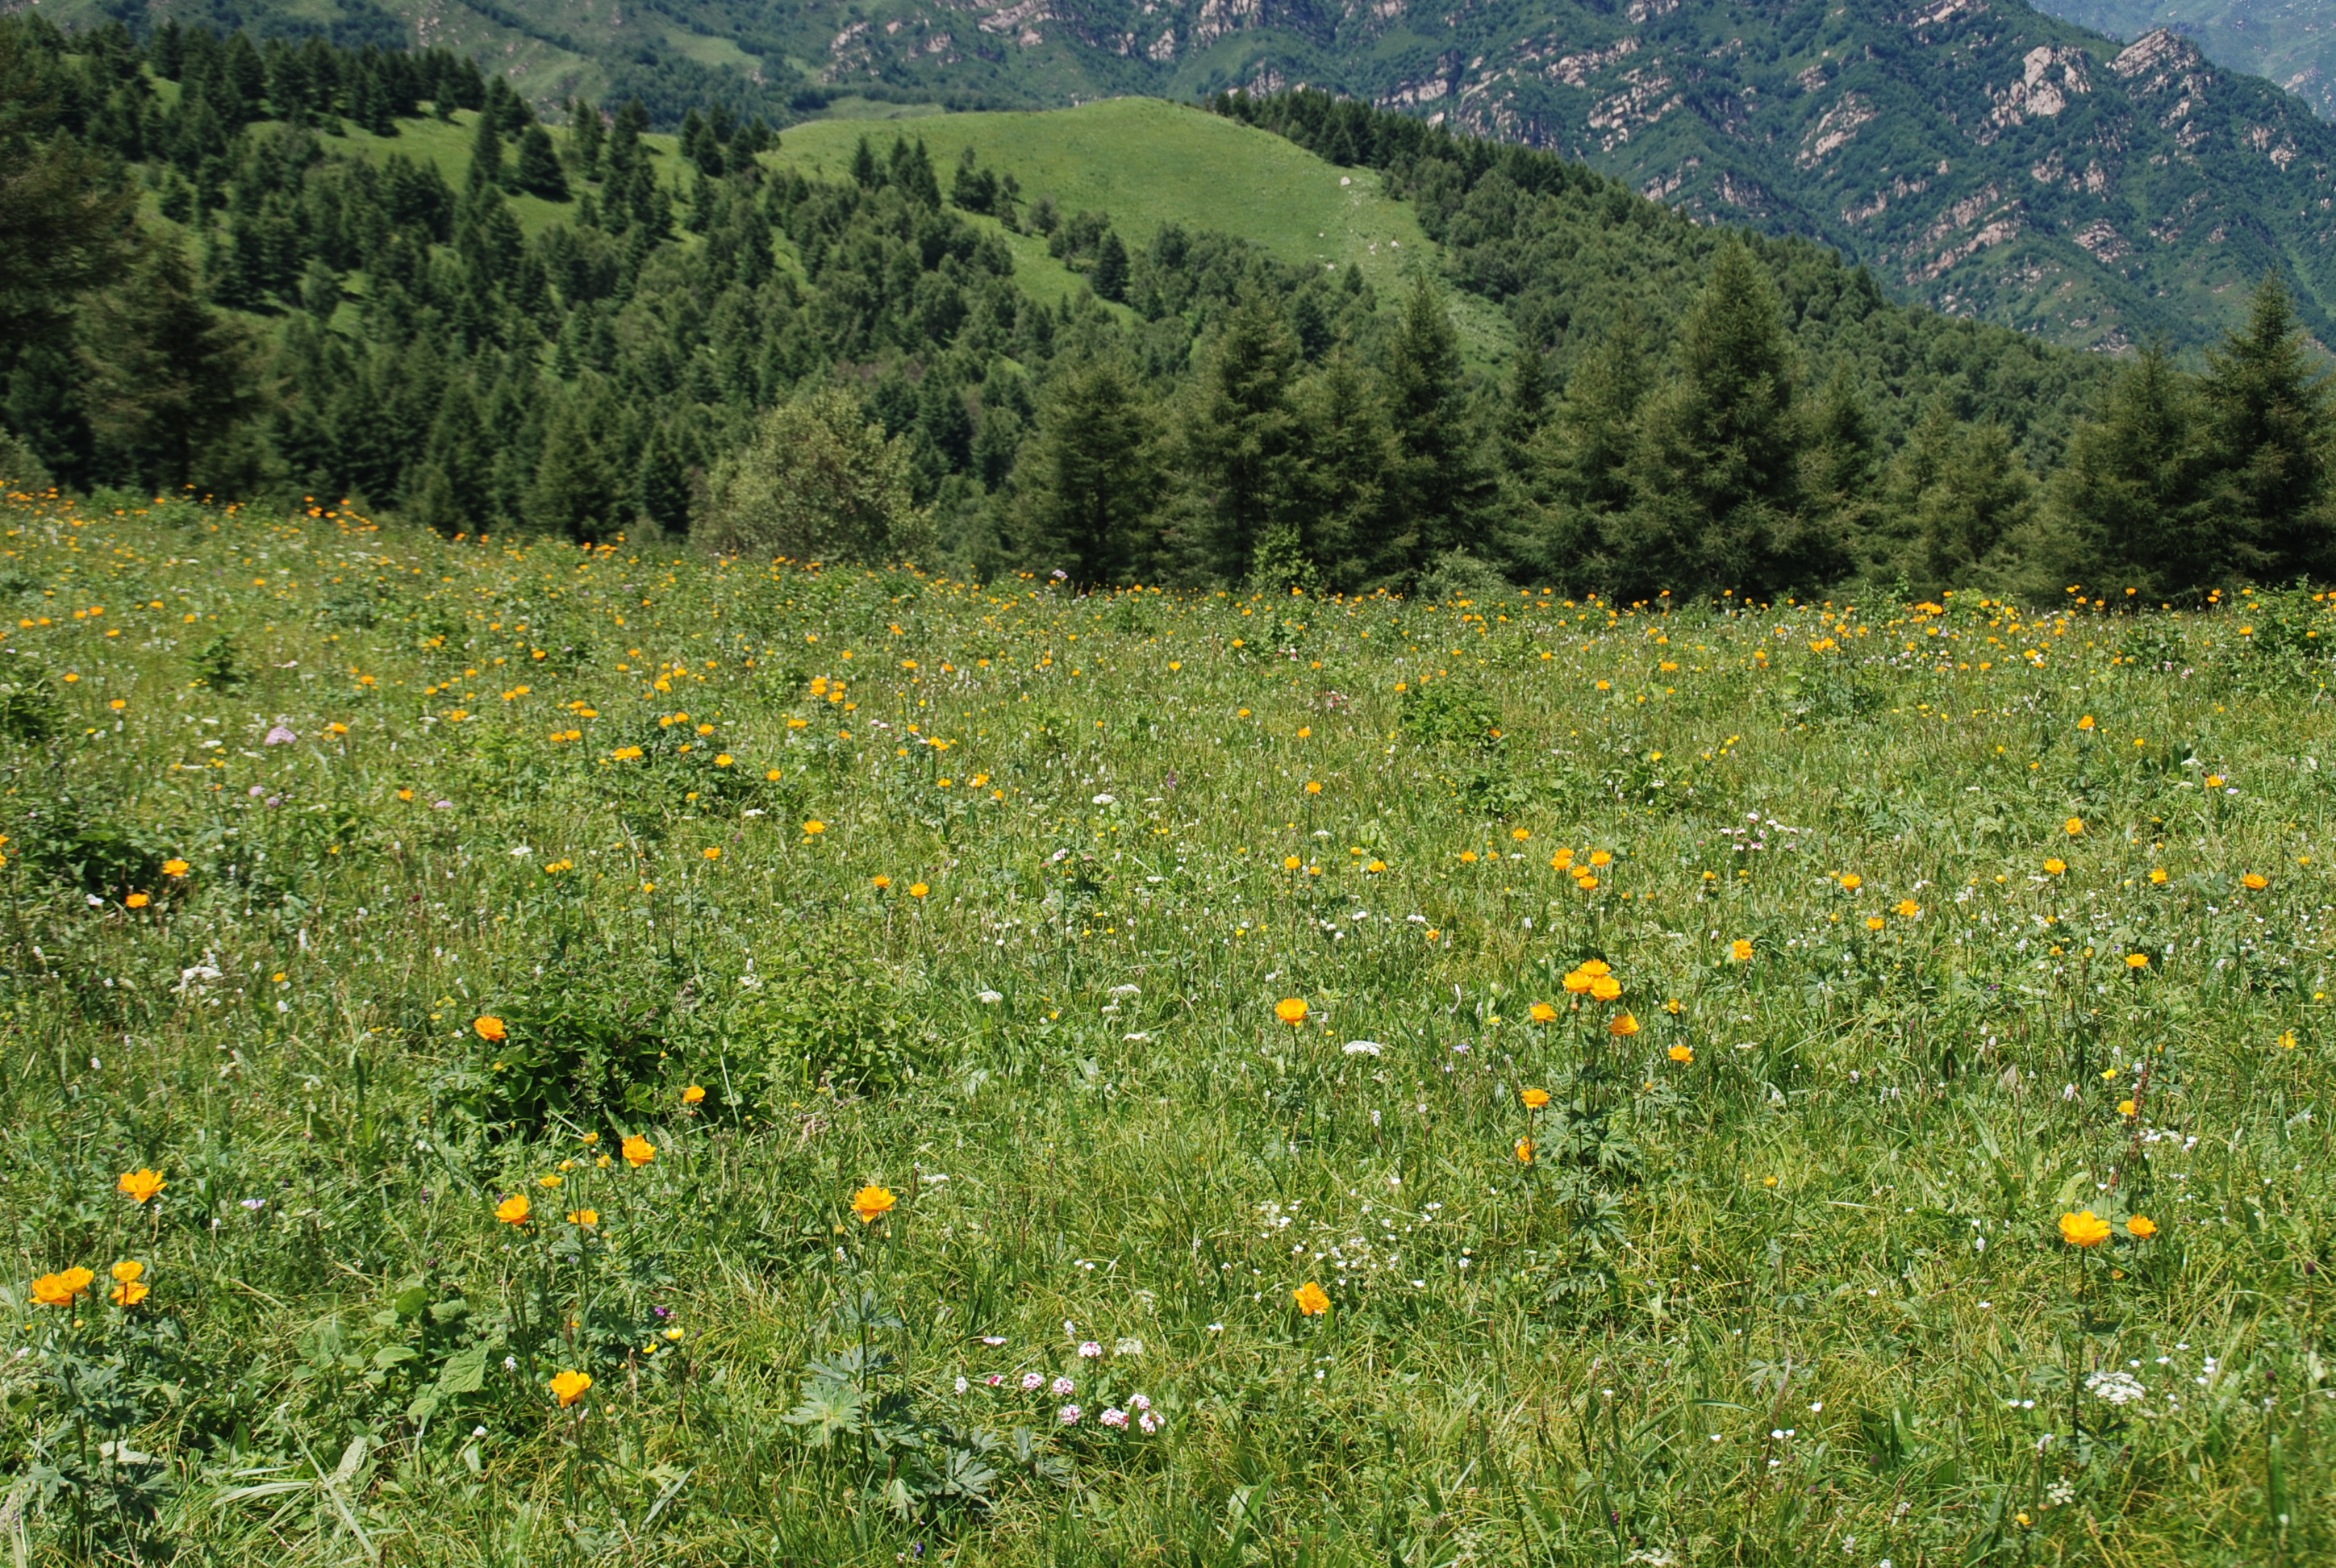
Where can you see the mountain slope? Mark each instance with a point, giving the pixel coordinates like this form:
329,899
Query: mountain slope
1978,155
2289,42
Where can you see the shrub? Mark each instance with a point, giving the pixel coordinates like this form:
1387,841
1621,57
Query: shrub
818,482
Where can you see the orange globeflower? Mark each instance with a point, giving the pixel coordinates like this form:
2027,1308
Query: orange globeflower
1605,988
2141,1225
1740,951
1682,1053
492,1028
714,853
918,889
142,1185
570,1386
588,1218
59,1289
2254,880
872,1203
1525,1151
638,1150
512,1211
1312,1300
137,900
1291,1010
1578,980
1908,908
2073,826
2084,1230
1623,1026
813,828
127,1290
1542,1013
175,868
2055,866
1534,1099
881,882
691,1094
1852,881
2137,960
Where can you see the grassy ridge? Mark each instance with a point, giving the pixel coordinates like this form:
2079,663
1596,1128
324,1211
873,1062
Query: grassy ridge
457,867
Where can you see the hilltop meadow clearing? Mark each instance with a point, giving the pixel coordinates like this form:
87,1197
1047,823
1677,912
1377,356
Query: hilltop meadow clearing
522,1052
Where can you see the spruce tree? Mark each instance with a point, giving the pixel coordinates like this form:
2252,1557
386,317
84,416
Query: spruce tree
1441,486
1110,274
538,172
587,137
2266,412
486,153
2133,494
168,378
1715,465
574,491
1241,437
1088,483
1346,512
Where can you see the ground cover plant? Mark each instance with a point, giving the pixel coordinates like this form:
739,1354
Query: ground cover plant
521,1051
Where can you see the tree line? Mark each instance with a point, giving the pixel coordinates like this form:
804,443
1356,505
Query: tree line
207,277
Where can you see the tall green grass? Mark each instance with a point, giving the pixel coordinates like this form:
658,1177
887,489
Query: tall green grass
1801,1297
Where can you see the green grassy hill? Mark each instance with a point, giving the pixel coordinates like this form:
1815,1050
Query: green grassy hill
1149,164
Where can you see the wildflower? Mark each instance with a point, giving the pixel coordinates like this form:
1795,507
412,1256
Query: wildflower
512,1211
1908,908
1851,881
175,868
1542,1013
1062,1387
2074,826
1740,951
570,1386
1068,1415
1032,1382
127,1290
1525,1151
1311,1300
918,889
2137,960
1577,981
2141,1225
59,1289
1090,1350
1605,988
638,1150
1623,1026
713,853
142,1185
691,1094
2255,881
1291,1010
2086,722
588,1218
1874,922
2125,1108
1534,1099
1682,1054
872,1204
1291,863
492,1028
1114,1418
1313,787
2287,1039
2084,1230
1376,867
2157,876
137,900
813,828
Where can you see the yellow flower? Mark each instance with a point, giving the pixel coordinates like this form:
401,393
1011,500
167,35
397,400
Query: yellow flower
1682,1053
2125,1107
549,1181
2137,960
2073,826
142,1185
2084,1230
128,1270
1313,787
713,853
512,1211
638,1150
1542,1013
137,900
570,1386
2157,876
1623,1026
1740,951
491,1027
881,883
2142,1226
872,1204
584,1217
1852,881
1874,922
918,889
1310,1298
2287,1039
1525,1151
2086,722
691,1094
2053,868
1534,1099
59,1289
1908,908
1577,981
1605,988
2254,880
175,868
813,828
1291,1010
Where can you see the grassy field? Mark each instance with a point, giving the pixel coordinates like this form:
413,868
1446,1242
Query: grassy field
935,1062
1147,163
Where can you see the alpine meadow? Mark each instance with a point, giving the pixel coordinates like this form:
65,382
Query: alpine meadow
1228,834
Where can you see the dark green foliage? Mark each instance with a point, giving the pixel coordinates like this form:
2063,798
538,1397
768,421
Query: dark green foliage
215,664
1451,714
30,711
1089,479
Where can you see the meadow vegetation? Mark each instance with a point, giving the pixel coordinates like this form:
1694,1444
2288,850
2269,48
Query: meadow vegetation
521,1050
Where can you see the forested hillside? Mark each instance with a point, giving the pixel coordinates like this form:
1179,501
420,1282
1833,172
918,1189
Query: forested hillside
1978,155
269,270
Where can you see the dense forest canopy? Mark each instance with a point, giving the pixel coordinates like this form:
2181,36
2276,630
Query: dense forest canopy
243,286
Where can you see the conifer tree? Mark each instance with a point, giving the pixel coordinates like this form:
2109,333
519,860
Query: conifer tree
1442,487
1241,438
538,172
168,378
586,138
1110,274
486,153
2134,492
1088,483
2266,413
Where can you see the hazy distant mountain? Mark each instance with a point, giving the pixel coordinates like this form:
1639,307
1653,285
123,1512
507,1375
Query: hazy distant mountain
2290,42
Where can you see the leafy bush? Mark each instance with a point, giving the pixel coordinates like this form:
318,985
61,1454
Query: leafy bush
1452,714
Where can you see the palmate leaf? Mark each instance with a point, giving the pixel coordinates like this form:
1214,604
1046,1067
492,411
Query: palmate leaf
963,1476
827,1409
